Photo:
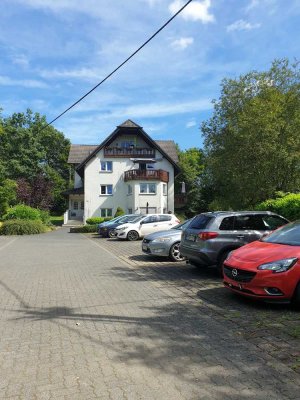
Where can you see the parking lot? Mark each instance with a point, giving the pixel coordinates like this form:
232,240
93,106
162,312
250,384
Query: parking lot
273,328
90,318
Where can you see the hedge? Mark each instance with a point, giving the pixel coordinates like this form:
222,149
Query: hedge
84,229
22,227
97,220
287,205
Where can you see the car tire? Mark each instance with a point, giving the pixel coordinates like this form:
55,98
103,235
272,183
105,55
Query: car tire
175,254
296,296
132,236
111,233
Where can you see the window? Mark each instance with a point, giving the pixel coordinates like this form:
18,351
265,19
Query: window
75,206
129,189
106,166
127,144
147,188
165,189
246,222
106,212
150,219
106,189
165,211
227,224
273,222
200,222
82,205
129,210
163,218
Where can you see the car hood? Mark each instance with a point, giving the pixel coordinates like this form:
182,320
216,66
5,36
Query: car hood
257,253
168,233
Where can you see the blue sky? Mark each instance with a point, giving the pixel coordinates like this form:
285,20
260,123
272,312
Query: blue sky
53,51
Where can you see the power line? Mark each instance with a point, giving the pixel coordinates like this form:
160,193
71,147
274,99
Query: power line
121,65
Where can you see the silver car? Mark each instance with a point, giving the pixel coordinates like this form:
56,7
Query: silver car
165,243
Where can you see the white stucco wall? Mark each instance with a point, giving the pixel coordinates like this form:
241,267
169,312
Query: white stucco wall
94,201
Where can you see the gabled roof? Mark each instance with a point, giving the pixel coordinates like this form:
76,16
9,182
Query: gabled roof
166,147
129,124
79,152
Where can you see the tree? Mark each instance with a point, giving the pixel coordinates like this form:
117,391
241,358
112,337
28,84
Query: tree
191,165
252,141
29,151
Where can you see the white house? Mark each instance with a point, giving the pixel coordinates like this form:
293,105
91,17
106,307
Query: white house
128,169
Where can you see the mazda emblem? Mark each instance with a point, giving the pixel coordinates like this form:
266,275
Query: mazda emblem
234,272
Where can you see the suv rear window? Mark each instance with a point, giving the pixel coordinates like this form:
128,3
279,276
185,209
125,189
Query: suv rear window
200,222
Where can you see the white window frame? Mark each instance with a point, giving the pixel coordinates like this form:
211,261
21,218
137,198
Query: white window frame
105,165
75,205
106,190
106,212
165,189
129,190
147,188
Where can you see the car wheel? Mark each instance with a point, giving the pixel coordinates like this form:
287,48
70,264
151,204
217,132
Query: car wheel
175,254
132,235
296,296
111,233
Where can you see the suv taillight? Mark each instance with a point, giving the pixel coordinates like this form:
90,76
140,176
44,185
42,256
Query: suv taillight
208,235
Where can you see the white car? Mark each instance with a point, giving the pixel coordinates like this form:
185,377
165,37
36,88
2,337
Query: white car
145,225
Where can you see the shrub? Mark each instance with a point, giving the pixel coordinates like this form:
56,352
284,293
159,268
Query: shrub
119,212
97,220
287,205
22,212
84,229
22,227
94,220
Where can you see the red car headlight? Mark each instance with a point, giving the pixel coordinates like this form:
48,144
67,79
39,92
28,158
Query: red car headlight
279,266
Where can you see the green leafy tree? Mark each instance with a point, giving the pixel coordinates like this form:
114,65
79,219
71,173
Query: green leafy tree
29,150
252,141
191,163
7,195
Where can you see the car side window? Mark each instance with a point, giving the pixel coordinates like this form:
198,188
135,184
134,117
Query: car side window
150,219
227,224
273,222
249,222
163,218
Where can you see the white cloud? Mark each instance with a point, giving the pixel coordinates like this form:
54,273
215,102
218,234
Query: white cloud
195,11
252,4
21,60
242,25
80,73
29,83
191,124
182,43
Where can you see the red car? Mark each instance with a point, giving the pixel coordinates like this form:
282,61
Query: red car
268,269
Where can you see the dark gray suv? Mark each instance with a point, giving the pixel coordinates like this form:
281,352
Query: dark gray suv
211,236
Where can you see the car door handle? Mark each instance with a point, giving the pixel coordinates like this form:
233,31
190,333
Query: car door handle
240,236
154,225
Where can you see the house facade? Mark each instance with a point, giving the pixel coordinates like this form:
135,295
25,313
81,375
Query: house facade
128,170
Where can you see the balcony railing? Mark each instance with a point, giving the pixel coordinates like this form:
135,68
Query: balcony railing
140,152
151,175
180,200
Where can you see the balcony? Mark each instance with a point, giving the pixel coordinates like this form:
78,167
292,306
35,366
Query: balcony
180,200
140,152
152,175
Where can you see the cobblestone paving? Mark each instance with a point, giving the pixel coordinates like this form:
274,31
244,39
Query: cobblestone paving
88,318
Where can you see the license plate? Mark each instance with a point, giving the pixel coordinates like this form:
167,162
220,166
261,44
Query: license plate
144,247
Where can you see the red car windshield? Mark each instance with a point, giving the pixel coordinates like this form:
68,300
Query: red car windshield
288,234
